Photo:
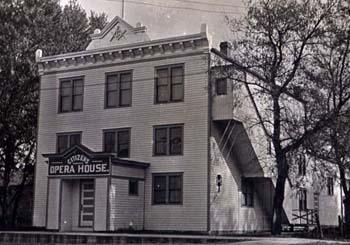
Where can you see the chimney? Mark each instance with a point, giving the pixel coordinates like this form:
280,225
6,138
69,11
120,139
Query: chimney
225,47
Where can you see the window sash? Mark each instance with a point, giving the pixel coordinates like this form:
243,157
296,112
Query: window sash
167,189
133,187
118,89
161,141
175,141
168,140
65,141
330,186
303,200
109,142
159,189
71,95
221,86
169,84
123,143
247,194
117,141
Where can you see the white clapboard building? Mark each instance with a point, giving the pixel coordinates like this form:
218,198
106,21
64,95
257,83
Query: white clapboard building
142,134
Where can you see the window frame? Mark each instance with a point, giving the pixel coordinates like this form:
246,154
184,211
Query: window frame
137,187
119,89
247,191
330,186
302,199
167,196
169,84
68,134
71,80
217,86
116,140
168,128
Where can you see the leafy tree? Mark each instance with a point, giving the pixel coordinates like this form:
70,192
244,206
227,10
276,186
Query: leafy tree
26,26
272,45
97,21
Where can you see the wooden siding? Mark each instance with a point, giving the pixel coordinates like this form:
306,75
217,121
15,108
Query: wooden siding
329,206
53,209
67,206
141,118
125,208
226,212
101,194
122,171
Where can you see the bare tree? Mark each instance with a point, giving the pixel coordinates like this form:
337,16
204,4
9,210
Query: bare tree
273,44
331,70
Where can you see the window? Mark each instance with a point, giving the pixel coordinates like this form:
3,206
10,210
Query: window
221,86
302,199
330,186
118,89
133,187
118,141
71,95
302,168
168,140
67,140
247,193
169,84
167,188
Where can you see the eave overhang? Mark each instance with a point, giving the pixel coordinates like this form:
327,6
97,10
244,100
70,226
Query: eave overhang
120,53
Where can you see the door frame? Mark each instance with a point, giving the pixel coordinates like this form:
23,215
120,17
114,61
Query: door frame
80,203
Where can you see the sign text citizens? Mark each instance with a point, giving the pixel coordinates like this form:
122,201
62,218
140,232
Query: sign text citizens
78,164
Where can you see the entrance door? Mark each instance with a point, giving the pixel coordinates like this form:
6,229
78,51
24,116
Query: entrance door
87,202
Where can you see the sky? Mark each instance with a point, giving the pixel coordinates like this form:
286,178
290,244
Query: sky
169,18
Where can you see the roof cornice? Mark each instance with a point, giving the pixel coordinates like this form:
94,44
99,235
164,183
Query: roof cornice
185,43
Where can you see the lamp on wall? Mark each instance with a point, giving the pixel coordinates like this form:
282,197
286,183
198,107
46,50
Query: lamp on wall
218,181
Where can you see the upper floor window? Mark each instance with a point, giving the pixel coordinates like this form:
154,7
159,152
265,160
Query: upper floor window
118,89
247,193
169,84
66,140
118,141
330,186
71,94
302,167
221,86
168,140
167,188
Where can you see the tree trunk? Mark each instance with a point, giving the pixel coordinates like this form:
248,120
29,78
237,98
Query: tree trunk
347,215
346,203
278,199
18,196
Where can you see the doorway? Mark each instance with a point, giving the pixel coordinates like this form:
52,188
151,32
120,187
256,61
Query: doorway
87,203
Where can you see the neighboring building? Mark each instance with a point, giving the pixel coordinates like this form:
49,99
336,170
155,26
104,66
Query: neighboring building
140,134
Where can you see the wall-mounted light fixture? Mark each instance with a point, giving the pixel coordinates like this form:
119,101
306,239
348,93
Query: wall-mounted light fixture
218,181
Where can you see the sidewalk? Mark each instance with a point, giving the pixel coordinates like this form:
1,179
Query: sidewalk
33,237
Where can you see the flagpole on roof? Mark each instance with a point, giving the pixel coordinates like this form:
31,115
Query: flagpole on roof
123,2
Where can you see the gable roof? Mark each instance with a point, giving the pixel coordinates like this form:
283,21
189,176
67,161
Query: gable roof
117,32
